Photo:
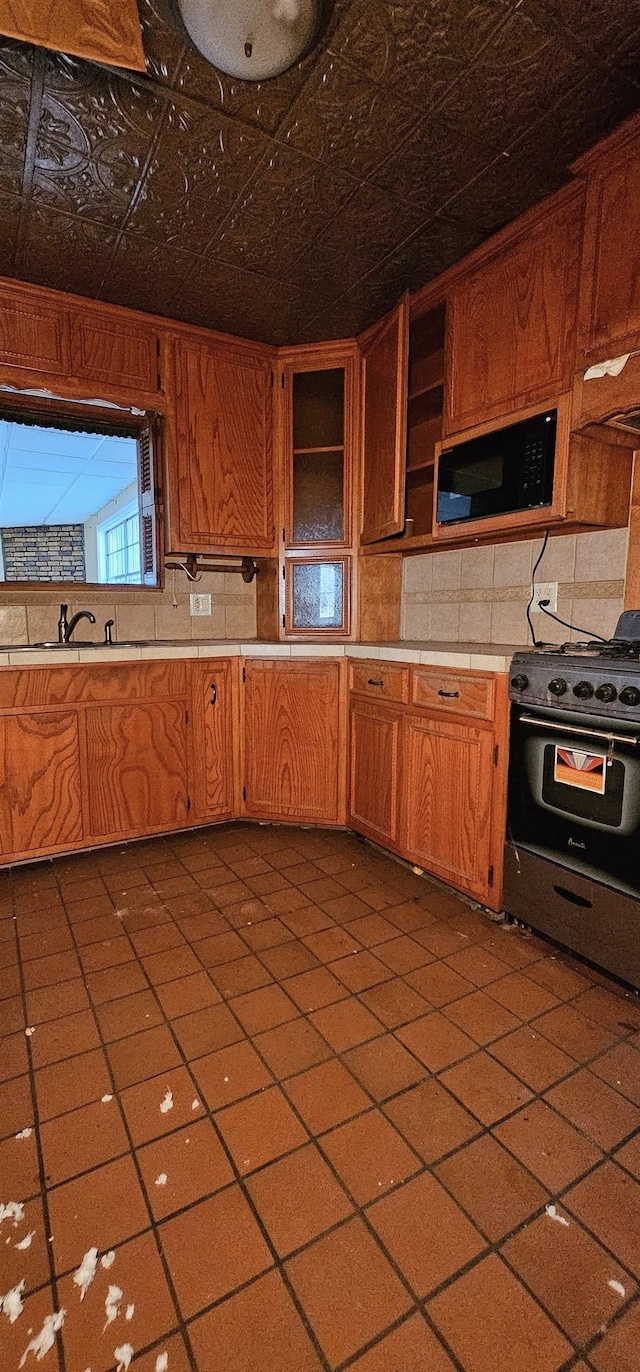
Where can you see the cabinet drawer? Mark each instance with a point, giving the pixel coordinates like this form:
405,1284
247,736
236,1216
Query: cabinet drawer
461,693
380,680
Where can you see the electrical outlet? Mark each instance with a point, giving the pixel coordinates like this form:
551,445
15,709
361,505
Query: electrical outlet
200,604
545,590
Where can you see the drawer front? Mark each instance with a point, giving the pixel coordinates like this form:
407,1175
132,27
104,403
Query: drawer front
459,693
380,680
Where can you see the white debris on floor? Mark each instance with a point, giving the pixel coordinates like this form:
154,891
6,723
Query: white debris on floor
553,1215
161,1180
107,1260
112,1305
26,1241
24,1134
166,1103
130,1311
13,1210
105,1099
86,1271
11,1304
162,1362
195,1105
44,1341
617,1287
29,1032
124,1355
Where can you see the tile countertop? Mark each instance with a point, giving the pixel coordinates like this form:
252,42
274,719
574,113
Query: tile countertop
479,656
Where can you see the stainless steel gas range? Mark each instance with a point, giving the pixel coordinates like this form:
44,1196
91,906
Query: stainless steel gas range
572,857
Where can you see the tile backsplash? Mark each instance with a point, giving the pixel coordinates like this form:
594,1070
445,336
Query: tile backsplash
480,595
32,616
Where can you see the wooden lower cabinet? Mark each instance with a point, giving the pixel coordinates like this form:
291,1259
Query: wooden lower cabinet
40,786
428,772
137,780
374,770
447,801
212,734
293,746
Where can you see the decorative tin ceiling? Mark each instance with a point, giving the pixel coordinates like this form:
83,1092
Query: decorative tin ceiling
301,208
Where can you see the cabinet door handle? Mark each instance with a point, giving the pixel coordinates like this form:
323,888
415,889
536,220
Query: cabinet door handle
214,693
450,695
372,682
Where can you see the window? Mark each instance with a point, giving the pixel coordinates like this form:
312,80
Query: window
77,498
119,547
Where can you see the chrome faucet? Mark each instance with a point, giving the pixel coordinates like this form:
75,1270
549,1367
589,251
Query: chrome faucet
66,629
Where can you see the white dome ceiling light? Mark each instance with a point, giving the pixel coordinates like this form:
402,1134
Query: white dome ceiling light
251,39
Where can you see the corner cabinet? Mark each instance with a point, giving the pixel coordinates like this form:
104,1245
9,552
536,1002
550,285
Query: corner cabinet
294,748
511,317
428,755
220,459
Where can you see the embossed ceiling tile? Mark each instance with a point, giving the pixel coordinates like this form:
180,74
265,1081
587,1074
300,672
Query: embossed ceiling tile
14,123
343,119
99,190
64,251
200,166
104,106
286,205
605,27
539,163
163,39
145,275
423,46
366,230
9,221
217,296
16,60
516,77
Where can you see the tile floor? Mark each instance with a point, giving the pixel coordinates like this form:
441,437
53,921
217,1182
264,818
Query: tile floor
313,1112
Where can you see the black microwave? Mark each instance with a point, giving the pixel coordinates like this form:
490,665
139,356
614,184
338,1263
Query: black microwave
499,473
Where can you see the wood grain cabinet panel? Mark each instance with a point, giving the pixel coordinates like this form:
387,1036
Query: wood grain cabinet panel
40,801
224,450
374,764
458,692
379,680
610,295
34,333
292,736
120,353
212,739
385,352
102,30
447,796
511,322
136,768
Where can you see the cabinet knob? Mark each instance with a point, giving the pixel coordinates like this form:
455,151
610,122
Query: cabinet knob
214,693
449,695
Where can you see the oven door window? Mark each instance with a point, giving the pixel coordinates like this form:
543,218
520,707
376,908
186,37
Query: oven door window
599,802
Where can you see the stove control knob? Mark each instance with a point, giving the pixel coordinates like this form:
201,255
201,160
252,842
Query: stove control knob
630,695
607,692
558,686
520,682
583,690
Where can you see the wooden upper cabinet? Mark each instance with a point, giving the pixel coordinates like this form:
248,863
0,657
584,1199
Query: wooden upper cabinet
385,350
101,30
221,488
34,332
120,352
293,746
511,318
610,291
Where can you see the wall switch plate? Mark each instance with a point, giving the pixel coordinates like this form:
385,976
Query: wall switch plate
200,604
544,590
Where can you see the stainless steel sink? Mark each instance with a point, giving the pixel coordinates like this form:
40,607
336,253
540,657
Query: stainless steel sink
75,643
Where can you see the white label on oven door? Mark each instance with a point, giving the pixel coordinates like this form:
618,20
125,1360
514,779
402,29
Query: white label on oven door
586,771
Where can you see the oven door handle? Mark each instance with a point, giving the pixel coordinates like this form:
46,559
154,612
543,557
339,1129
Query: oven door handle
575,729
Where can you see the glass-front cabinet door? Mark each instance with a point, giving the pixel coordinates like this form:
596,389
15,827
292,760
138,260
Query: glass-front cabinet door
319,396
319,402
